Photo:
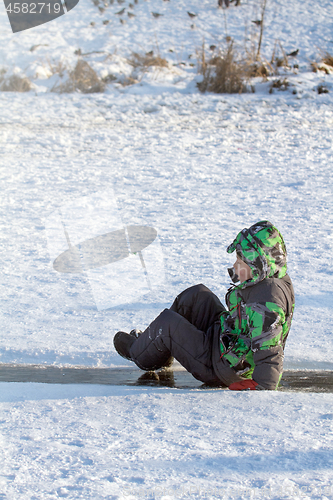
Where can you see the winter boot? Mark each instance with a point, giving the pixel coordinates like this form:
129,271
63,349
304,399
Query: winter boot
123,341
136,333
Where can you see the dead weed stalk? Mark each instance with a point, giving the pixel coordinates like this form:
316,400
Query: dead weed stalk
144,61
328,59
15,83
325,64
223,74
230,72
83,78
57,68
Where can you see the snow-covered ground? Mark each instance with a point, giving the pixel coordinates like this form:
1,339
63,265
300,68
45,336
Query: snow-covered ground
197,168
48,51
133,443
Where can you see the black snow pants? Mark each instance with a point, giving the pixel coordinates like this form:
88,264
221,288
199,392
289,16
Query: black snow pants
188,331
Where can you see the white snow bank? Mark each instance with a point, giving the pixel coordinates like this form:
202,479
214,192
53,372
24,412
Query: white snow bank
135,443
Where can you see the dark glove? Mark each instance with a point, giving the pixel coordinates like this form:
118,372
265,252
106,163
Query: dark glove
244,385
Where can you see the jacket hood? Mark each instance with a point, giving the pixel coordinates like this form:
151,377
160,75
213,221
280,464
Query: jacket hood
262,248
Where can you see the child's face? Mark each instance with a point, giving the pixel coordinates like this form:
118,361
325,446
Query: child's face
242,270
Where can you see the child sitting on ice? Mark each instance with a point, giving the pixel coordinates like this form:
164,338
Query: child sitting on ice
241,347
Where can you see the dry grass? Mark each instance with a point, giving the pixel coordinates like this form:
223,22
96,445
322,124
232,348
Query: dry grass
15,83
57,68
264,68
86,79
141,63
328,59
128,80
261,67
223,74
83,78
144,61
109,78
325,64
256,66
279,57
230,72
258,69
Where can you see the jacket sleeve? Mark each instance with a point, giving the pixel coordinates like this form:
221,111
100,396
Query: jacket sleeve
265,321
268,367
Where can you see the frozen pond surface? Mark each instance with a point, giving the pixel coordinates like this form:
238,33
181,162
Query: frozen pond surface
299,381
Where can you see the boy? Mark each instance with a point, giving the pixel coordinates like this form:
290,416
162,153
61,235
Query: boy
242,347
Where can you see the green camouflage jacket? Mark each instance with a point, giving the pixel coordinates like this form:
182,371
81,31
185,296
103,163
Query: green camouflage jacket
256,326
